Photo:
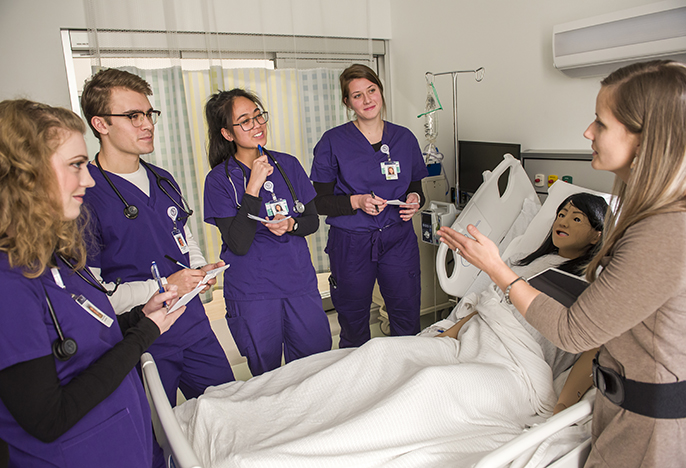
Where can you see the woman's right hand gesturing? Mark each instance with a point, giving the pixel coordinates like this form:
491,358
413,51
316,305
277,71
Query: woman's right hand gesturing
158,313
261,169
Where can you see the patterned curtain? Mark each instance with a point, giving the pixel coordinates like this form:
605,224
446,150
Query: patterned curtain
302,105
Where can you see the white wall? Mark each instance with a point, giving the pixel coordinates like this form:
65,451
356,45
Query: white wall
522,99
30,45
31,51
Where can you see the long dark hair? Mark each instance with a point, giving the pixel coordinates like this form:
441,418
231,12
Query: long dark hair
219,114
594,207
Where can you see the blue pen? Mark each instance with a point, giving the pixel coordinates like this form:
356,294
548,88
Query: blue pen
156,275
259,148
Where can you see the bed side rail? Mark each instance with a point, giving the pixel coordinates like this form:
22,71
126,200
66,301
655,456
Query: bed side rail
178,452
534,436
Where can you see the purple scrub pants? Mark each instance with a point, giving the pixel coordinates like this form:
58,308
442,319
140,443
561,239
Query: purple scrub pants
264,329
389,256
194,368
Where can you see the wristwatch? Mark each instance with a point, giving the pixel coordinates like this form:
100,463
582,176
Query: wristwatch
295,226
509,287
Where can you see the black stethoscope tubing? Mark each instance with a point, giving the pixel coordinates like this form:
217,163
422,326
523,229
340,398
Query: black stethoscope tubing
63,347
131,211
298,206
95,282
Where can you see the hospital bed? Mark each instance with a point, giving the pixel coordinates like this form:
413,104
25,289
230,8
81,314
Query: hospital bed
513,219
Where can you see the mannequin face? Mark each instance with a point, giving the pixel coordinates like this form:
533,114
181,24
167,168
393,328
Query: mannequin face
573,234
614,146
70,163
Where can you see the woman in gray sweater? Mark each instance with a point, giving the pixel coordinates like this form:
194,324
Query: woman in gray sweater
635,309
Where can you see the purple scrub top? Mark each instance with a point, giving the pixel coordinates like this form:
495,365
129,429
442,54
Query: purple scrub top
275,267
125,248
345,156
117,432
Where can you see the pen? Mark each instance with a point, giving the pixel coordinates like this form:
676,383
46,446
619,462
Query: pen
375,206
156,275
176,261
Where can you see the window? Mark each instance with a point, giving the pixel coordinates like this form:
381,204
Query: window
296,77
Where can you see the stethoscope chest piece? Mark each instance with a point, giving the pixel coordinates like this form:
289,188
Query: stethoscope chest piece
63,349
131,211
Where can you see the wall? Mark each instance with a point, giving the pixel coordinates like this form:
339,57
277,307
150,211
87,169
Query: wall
522,99
31,49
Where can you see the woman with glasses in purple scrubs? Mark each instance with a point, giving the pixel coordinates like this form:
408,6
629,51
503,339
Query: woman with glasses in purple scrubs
358,167
272,299
69,393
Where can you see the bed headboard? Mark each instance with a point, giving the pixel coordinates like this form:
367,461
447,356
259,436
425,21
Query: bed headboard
490,211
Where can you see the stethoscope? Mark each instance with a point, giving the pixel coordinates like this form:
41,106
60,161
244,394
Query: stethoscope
63,347
131,211
298,206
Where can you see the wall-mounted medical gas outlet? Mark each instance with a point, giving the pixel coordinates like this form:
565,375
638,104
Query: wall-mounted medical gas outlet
439,214
539,180
552,178
568,179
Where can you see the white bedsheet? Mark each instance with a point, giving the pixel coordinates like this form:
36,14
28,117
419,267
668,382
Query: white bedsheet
394,402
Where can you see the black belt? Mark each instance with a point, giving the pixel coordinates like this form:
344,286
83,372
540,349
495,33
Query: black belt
660,401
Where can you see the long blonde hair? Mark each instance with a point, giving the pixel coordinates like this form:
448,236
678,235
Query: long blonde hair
32,226
649,99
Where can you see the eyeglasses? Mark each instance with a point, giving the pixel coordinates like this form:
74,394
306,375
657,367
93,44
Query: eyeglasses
137,118
248,123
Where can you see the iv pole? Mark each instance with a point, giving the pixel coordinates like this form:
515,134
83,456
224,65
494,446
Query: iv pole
479,75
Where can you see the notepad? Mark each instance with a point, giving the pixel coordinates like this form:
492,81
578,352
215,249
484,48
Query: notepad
564,287
398,202
186,298
268,221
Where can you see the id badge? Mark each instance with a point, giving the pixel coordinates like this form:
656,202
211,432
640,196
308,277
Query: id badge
275,207
93,310
180,241
390,169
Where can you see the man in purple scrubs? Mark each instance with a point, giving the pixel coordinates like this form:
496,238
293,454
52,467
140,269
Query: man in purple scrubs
138,216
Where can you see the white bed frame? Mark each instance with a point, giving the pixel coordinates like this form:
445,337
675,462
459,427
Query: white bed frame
494,212
178,453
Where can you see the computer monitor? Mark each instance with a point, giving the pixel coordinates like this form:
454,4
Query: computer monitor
479,156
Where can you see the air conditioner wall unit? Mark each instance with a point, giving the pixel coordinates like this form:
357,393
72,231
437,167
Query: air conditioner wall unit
599,45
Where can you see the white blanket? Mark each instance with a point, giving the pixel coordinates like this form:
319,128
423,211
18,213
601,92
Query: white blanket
394,402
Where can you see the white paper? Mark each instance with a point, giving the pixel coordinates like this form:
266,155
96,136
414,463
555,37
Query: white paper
268,221
186,298
398,202
212,274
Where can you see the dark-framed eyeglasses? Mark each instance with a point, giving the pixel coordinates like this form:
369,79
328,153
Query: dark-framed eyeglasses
137,118
248,123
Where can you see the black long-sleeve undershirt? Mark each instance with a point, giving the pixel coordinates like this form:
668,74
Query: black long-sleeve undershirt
238,232
339,205
45,409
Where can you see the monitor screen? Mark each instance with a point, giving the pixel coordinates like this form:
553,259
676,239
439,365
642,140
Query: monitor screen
479,156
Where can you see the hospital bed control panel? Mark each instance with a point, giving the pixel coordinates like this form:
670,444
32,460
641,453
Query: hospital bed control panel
439,214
